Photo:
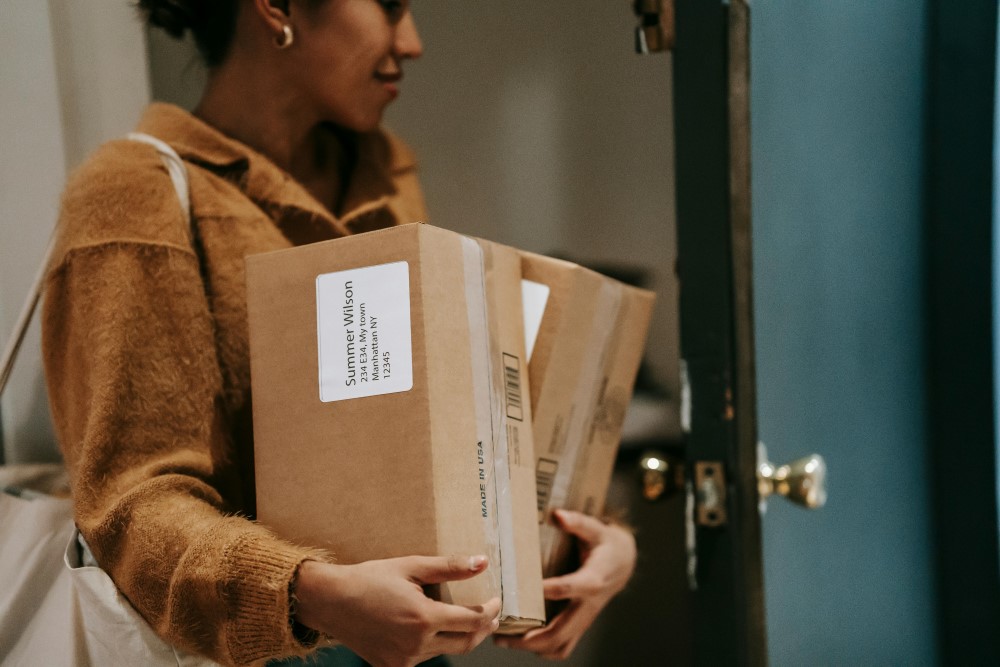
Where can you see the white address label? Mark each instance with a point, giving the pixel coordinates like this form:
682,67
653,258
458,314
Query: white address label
363,317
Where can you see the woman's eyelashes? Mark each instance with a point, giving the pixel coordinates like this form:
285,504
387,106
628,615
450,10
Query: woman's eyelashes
394,9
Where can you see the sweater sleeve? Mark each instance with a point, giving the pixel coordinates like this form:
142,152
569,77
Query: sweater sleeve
135,392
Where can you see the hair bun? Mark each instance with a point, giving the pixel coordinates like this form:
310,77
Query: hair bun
174,16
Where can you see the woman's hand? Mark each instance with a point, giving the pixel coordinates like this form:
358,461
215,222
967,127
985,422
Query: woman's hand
379,610
608,555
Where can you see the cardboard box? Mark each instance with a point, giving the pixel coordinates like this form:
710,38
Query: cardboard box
582,370
391,413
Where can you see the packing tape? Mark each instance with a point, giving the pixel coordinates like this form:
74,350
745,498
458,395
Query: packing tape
479,341
501,431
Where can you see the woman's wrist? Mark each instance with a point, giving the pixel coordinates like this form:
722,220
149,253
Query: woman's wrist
301,587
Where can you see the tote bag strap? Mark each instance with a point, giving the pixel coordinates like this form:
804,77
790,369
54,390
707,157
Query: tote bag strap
24,318
178,175
175,167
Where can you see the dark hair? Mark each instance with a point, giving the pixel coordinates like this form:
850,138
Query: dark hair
211,23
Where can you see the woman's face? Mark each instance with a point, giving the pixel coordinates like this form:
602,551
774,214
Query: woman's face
348,56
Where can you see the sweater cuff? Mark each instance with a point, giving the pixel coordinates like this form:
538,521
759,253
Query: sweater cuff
260,598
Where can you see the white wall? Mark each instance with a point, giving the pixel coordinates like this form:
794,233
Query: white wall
72,75
102,71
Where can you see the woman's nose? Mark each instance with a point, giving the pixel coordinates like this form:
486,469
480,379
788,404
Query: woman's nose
408,44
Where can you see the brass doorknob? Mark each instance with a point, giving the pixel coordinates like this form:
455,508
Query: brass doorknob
802,481
662,474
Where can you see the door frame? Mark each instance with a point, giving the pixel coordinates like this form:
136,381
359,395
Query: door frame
712,152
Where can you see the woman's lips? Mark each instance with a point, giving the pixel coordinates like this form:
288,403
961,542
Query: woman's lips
390,81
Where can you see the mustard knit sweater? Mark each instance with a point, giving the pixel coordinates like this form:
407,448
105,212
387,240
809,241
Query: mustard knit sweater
146,355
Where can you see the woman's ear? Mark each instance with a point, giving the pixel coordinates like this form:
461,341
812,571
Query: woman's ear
274,13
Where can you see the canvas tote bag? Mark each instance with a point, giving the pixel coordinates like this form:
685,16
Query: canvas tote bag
57,606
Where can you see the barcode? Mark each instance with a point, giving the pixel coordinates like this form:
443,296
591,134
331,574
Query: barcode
545,475
512,383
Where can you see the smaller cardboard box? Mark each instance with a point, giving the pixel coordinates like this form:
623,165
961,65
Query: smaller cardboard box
391,412
582,370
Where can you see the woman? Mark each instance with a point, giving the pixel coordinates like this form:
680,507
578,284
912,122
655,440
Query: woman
145,342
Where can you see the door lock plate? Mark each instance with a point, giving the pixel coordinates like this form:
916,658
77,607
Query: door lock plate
710,487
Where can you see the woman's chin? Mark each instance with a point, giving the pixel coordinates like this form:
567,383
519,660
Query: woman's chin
360,123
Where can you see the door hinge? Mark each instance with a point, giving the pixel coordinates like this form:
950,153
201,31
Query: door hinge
655,32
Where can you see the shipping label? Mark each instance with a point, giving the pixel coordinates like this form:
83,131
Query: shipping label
363,321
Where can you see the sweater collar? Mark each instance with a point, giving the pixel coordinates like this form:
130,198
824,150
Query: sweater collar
370,188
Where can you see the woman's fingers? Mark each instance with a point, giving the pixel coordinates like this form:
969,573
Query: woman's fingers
439,569
455,618
378,608
608,560
539,638
464,628
607,566
587,528
558,639
576,585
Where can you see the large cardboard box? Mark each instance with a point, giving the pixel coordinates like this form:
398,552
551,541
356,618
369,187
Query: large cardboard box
391,413
582,370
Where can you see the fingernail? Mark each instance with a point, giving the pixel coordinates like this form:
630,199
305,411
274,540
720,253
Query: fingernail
477,562
496,623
